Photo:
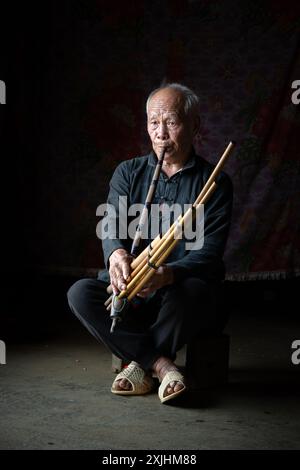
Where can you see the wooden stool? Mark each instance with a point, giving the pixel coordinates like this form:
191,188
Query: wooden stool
206,362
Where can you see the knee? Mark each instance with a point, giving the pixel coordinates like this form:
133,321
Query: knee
77,293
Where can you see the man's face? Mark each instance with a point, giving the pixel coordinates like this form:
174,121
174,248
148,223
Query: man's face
169,126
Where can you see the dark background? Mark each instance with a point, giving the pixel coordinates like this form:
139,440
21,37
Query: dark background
78,75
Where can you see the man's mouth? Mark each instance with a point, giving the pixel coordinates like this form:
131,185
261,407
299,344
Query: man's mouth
167,147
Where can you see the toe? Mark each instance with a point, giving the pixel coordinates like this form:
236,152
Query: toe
128,385
178,386
173,387
122,384
125,384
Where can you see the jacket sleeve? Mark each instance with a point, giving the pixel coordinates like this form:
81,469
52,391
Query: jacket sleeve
207,262
115,218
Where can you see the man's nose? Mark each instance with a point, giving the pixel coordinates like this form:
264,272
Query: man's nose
162,131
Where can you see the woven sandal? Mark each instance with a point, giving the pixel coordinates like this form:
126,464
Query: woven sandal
172,376
141,383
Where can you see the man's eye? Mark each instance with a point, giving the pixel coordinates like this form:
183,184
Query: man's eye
171,123
153,123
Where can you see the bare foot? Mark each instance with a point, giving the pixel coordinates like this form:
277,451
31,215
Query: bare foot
161,367
124,384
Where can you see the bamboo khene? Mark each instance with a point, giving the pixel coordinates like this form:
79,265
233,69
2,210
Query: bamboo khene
156,253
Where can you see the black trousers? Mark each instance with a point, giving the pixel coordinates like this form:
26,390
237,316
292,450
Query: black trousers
159,327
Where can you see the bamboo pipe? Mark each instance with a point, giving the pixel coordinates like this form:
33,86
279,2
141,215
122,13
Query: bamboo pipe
164,245
148,202
166,253
137,283
136,262
205,188
139,263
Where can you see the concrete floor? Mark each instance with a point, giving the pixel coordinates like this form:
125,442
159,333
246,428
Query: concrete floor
55,394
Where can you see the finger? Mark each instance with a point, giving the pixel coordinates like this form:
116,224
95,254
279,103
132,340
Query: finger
149,287
114,280
141,295
120,280
114,288
125,269
144,292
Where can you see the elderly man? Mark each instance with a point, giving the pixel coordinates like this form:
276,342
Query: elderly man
179,302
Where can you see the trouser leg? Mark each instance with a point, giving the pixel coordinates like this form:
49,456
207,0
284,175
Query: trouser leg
130,340
161,327
187,310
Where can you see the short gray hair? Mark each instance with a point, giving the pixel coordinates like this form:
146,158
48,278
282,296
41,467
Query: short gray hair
191,100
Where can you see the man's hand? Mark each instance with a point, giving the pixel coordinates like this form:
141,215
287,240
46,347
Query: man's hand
119,269
162,277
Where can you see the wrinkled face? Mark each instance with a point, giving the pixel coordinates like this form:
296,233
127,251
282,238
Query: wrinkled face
169,126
